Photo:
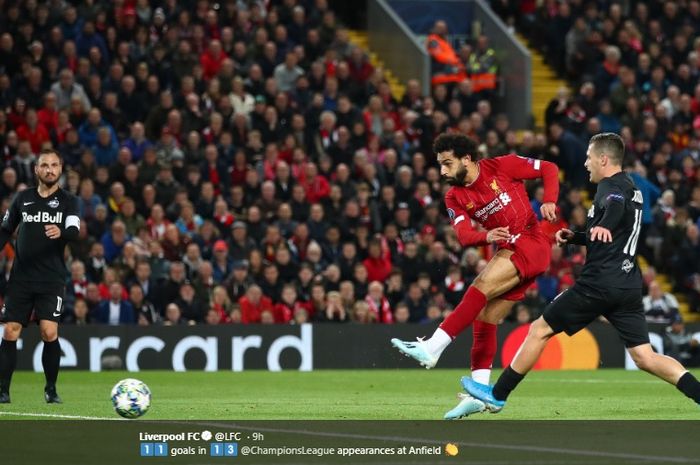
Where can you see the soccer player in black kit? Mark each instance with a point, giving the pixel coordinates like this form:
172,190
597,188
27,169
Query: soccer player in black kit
47,218
610,283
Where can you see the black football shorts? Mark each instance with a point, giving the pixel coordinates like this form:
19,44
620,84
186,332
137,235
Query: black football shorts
23,298
580,305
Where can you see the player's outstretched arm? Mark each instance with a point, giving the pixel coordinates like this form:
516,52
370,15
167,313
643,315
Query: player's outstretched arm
521,168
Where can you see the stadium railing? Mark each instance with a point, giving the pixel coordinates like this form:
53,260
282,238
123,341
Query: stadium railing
397,30
396,45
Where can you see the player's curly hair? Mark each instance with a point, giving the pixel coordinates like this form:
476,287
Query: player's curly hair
458,144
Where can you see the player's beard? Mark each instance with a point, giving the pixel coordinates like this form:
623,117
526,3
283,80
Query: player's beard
459,178
48,182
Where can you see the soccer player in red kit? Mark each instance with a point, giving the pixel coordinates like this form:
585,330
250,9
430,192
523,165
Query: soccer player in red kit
490,192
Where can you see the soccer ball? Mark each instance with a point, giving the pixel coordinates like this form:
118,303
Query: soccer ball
131,398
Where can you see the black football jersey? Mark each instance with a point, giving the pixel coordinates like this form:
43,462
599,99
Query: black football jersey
614,264
38,258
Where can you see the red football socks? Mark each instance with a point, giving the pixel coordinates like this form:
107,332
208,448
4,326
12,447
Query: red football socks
484,345
465,313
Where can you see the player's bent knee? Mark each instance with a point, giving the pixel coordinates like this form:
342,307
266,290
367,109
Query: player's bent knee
12,331
49,335
48,330
539,329
493,286
485,286
489,317
643,357
480,283
643,362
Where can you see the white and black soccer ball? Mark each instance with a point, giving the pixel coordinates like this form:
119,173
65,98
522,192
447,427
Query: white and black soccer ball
131,398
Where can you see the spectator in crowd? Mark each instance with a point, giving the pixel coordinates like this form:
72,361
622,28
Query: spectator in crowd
659,306
378,263
33,131
114,240
77,285
173,316
137,142
115,310
522,314
191,308
80,315
334,310
65,89
253,304
417,302
378,303
361,313
681,345
23,162
222,264
169,289
143,308
687,265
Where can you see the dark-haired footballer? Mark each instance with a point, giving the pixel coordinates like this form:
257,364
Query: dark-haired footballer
46,218
490,192
610,283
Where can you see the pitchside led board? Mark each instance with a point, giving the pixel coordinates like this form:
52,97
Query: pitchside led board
307,347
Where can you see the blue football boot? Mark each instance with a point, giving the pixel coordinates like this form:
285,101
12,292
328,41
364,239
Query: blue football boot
468,405
483,392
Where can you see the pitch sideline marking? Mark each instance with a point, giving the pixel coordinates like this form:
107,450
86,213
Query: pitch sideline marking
57,415
596,381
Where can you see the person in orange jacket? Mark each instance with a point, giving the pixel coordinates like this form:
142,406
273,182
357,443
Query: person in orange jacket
446,67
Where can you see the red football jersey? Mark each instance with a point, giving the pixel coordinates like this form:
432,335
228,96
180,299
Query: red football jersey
497,198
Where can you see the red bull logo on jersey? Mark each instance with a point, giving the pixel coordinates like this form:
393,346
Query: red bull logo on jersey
43,217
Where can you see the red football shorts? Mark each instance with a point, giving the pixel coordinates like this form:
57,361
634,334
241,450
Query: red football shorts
532,254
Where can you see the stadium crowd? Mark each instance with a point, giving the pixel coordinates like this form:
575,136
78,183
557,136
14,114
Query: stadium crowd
243,162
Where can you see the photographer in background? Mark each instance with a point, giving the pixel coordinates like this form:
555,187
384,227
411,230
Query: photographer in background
660,306
681,345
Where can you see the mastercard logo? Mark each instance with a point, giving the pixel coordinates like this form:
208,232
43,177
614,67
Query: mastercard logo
577,352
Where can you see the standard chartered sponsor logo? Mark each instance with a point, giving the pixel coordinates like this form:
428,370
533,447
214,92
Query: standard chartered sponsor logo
43,217
491,208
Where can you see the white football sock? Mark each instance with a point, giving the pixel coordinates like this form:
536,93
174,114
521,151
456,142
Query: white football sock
482,375
438,342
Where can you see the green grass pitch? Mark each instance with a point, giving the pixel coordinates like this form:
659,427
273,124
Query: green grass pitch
353,394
